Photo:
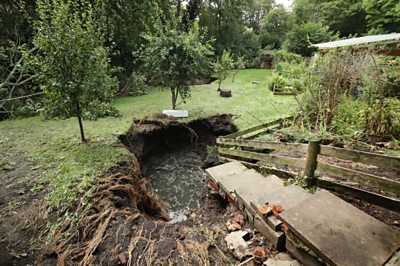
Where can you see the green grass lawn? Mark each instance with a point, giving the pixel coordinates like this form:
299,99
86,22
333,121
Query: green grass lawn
68,167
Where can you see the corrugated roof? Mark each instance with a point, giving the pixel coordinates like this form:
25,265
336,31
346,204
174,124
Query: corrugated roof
373,39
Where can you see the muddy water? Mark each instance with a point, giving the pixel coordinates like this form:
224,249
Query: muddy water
178,179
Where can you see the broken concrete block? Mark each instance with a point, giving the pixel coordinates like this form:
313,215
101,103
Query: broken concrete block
236,242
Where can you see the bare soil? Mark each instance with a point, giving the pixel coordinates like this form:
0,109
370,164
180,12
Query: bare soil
22,212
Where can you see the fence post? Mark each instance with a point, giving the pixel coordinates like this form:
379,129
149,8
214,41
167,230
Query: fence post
311,161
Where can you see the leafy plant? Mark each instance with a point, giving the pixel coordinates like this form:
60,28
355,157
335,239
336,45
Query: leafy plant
300,37
75,74
175,58
222,66
135,85
238,65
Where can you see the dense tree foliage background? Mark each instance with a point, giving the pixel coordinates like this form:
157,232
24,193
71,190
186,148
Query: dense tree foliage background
246,28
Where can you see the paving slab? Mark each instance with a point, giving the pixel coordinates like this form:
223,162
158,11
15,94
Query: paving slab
225,170
340,233
254,185
287,197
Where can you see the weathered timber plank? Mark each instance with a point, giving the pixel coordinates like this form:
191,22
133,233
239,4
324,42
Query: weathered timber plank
255,128
382,161
263,144
367,196
263,157
384,184
339,233
263,169
266,130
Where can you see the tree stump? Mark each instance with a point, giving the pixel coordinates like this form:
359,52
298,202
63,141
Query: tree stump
225,93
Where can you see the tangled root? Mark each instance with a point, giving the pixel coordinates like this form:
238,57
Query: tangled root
121,195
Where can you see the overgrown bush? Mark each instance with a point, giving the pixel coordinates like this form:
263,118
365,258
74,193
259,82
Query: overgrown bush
347,94
135,85
288,74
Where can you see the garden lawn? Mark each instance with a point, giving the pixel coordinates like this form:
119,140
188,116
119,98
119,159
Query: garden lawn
67,167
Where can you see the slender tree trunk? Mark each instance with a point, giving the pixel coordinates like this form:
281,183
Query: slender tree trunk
174,93
178,8
78,115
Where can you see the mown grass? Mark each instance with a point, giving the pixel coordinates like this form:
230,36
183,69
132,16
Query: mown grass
69,167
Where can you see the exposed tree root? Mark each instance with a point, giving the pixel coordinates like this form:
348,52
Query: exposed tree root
120,195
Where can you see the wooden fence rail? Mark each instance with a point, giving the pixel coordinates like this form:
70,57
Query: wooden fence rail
382,161
234,148
281,122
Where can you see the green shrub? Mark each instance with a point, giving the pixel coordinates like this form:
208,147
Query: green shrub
285,56
135,85
279,83
347,116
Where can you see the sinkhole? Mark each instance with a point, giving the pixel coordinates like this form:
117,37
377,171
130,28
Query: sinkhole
173,156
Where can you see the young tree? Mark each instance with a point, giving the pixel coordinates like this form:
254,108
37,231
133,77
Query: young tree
238,65
222,66
175,58
72,62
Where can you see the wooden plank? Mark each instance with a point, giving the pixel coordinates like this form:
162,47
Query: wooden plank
384,184
266,130
263,169
382,161
339,233
367,196
257,127
268,158
270,145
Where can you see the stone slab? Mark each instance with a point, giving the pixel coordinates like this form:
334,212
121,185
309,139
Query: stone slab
340,233
254,185
219,172
287,197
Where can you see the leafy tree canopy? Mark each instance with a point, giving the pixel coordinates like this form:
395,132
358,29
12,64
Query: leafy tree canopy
175,58
383,15
72,61
302,36
275,27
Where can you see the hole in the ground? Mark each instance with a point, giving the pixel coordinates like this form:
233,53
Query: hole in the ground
172,155
178,179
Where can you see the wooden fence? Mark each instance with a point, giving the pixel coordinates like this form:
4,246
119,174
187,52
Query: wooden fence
386,191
